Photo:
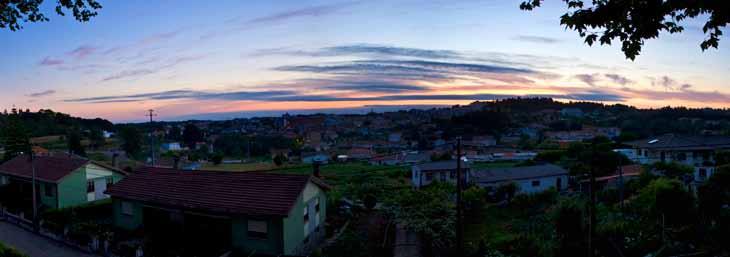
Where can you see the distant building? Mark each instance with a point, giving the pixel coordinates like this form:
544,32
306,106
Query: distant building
412,158
695,151
391,159
394,137
171,147
360,153
444,171
529,179
572,112
320,157
513,156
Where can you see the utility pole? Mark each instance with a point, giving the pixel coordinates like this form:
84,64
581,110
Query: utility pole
152,137
459,203
592,221
33,182
621,184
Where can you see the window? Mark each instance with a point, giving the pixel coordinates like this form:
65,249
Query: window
681,156
536,183
306,214
452,174
442,175
49,191
429,176
109,181
257,229
127,208
3,180
703,173
90,186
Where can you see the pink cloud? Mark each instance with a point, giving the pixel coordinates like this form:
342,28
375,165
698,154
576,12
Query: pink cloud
49,61
82,51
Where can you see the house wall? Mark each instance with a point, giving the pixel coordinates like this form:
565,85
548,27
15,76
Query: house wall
72,189
525,186
50,201
294,228
420,178
273,244
99,175
125,221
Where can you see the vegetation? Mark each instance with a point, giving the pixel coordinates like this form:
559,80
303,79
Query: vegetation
6,251
633,22
14,12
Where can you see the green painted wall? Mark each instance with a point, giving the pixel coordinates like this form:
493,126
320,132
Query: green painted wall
124,221
49,201
72,189
243,243
294,224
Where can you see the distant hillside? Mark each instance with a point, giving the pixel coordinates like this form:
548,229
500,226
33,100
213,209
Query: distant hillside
47,122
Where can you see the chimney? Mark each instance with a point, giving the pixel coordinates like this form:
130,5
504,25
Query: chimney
115,156
315,169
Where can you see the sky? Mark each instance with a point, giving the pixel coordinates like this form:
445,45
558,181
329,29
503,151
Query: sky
193,59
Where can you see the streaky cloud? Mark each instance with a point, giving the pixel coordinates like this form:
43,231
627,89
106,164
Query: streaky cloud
313,11
42,93
536,39
618,79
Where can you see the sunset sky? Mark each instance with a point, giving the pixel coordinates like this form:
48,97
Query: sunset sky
186,58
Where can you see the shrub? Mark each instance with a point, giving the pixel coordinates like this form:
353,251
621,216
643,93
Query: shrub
6,251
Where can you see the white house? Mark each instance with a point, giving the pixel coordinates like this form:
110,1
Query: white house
173,147
310,158
444,171
695,151
529,179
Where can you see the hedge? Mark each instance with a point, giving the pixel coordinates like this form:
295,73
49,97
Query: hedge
6,251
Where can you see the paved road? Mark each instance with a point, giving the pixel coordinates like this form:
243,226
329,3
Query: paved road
34,245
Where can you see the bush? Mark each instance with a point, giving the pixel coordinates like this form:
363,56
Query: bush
550,156
6,251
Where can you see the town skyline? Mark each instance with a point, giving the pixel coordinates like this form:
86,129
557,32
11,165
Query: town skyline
184,63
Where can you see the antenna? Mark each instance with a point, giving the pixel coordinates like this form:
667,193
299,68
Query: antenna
151,114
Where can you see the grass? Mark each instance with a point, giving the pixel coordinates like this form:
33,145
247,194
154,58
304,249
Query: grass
254,166
333,173
491,223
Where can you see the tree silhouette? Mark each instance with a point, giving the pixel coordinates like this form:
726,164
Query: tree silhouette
632,22
15,12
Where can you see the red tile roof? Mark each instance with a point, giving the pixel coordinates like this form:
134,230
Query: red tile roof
47,168
248,193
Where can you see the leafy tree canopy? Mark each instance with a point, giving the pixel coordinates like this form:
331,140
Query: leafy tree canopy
15,12
632,22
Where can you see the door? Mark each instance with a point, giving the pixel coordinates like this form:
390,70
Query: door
558,184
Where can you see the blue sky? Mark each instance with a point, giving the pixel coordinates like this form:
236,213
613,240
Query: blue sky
189,57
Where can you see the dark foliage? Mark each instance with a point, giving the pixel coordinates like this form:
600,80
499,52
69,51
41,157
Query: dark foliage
14,12
633,22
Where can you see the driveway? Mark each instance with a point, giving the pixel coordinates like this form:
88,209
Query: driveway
34,245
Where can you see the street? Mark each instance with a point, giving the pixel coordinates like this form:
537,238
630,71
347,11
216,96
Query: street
34,245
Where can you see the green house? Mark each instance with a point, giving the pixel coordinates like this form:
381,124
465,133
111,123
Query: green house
61,181
213,212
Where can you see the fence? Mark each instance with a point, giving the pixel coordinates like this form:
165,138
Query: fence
97,245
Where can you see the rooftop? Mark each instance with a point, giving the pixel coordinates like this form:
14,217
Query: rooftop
47,168
248,193
683,142
441,165
517,173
